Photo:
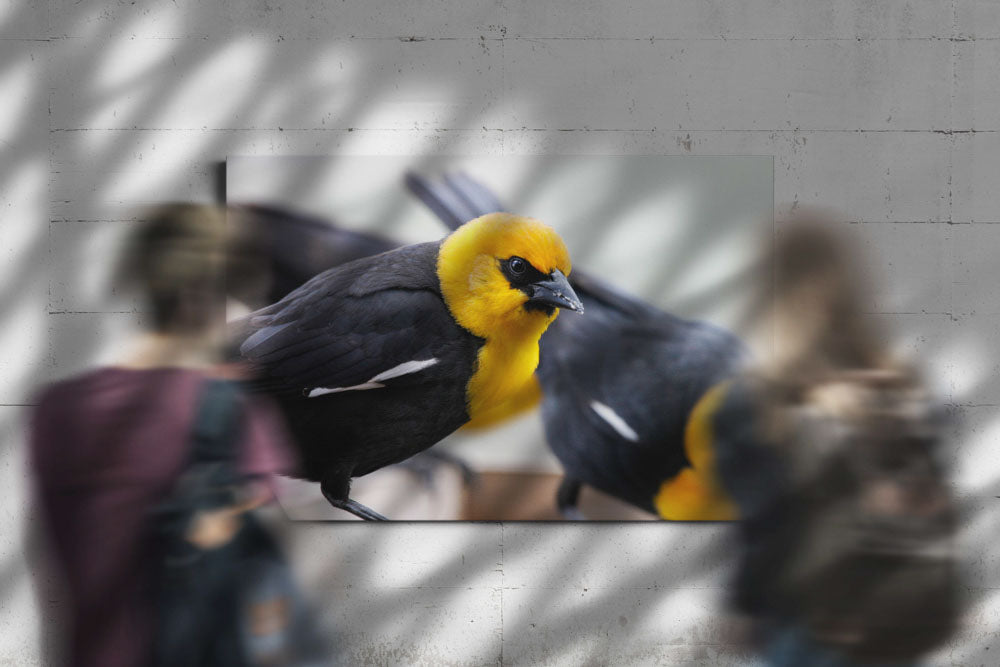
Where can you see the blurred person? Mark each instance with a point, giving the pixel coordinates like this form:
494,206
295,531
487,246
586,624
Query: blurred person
109,447
830,452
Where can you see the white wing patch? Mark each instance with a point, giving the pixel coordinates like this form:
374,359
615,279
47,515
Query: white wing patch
323,391
405,368
615,421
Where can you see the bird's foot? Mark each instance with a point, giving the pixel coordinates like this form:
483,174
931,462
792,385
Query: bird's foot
357,509
567,497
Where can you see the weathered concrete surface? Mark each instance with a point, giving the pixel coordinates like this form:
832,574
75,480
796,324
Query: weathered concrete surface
889,111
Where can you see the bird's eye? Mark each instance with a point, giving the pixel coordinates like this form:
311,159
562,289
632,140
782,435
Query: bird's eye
517,265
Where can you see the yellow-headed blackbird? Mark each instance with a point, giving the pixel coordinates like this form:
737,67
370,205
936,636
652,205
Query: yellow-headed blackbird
378,359
627,392
278,249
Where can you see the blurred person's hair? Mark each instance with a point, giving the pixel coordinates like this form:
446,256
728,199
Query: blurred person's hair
826,350
184,260
816,311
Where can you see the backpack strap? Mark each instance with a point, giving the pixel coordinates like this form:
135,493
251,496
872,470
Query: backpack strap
217,423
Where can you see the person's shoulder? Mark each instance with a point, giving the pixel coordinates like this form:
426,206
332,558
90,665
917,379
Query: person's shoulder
58,408
55,393
77,389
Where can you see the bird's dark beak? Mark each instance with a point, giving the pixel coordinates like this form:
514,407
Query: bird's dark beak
555,292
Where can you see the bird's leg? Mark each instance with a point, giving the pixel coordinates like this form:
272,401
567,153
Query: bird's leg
567,497
357,509
336,489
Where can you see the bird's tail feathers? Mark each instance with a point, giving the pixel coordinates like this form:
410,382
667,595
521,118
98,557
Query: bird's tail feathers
455,199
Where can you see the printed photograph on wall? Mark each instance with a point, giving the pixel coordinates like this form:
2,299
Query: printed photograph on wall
499,338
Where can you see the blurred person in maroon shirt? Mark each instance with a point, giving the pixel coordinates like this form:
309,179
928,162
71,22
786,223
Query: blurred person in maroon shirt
109,445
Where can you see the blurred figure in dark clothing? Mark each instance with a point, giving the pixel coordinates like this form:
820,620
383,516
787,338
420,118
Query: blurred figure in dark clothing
830,451
109,445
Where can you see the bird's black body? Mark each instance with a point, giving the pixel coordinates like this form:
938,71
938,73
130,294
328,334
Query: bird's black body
647,366
340,331
619,383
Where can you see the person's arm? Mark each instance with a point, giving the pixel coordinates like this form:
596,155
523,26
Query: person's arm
267,448
211,529
749,469
752,473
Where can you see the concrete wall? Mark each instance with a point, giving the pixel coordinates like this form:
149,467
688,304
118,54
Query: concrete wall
888,111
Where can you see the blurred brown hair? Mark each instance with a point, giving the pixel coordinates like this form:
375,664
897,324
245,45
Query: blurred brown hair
179,260
816,309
